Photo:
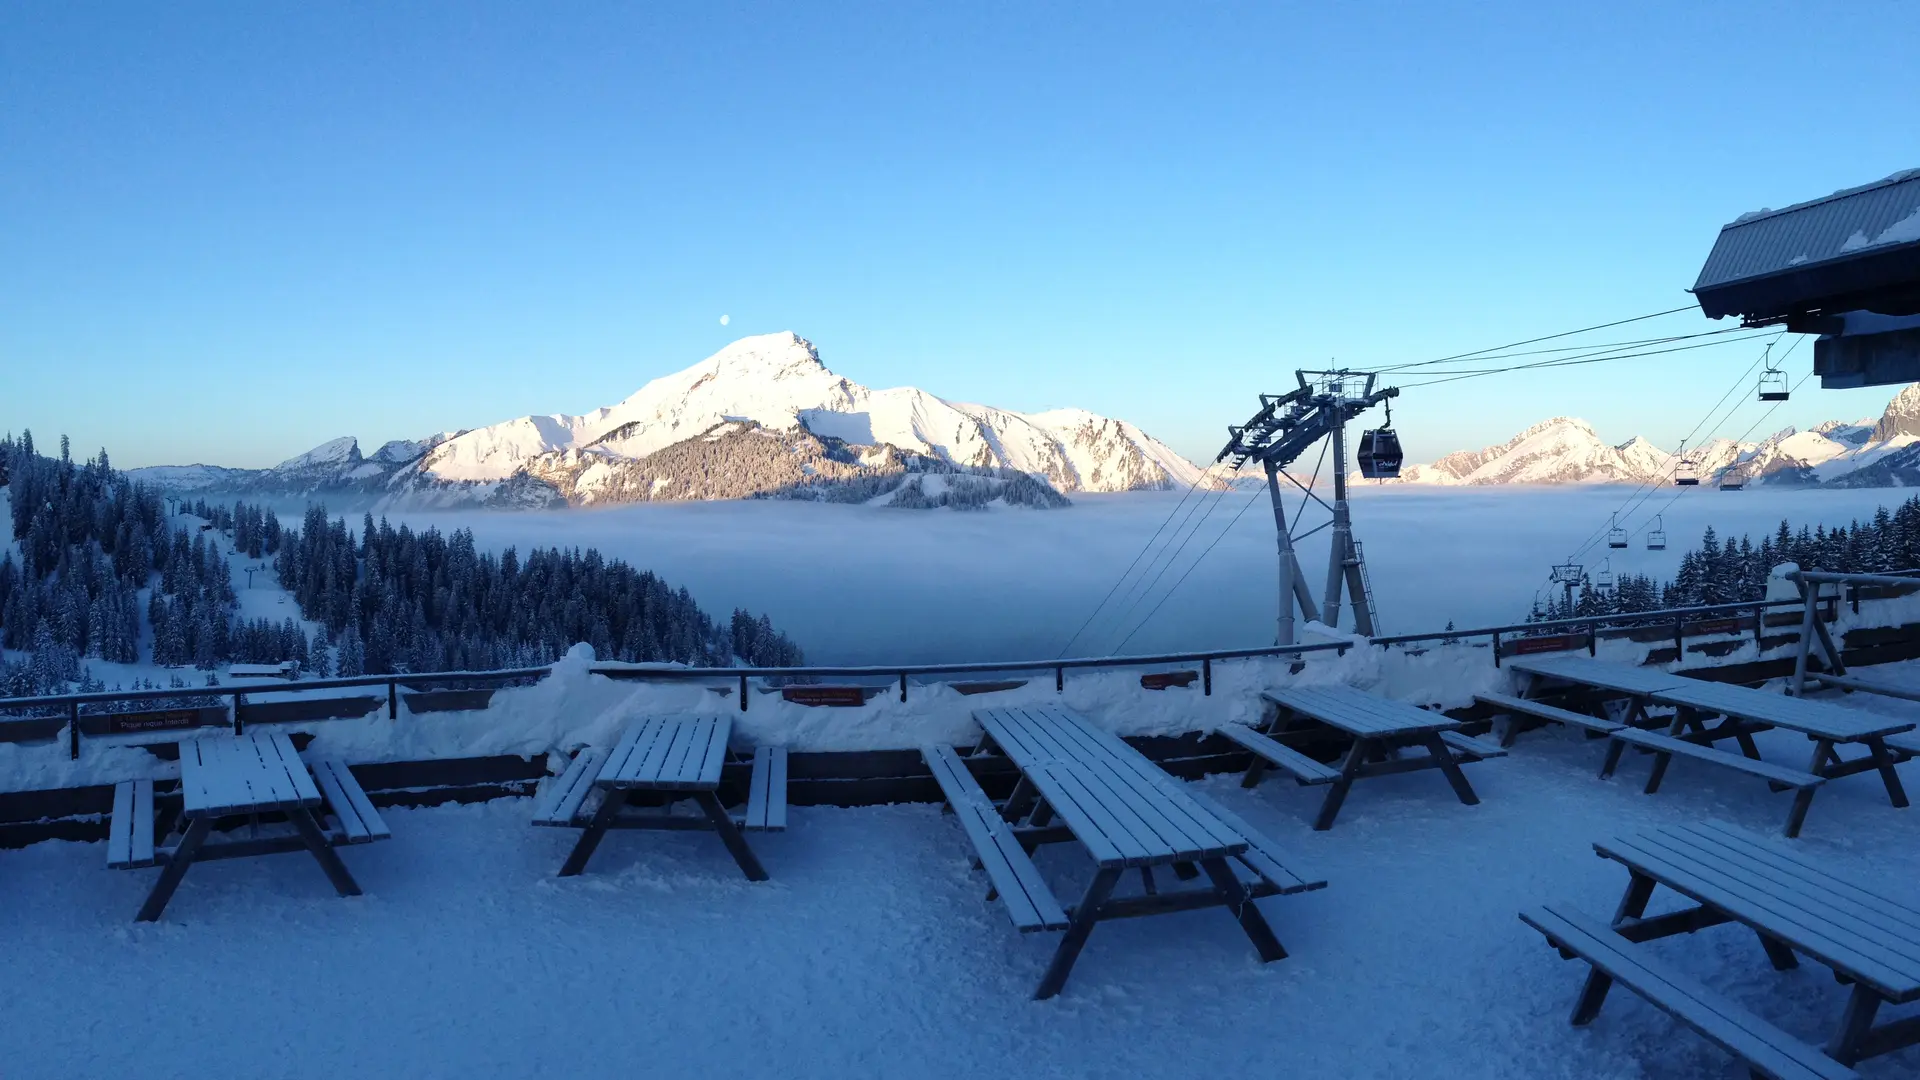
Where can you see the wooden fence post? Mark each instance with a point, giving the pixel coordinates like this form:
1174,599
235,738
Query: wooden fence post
1206,677
903,686
393,701
238,700
743,693
73,730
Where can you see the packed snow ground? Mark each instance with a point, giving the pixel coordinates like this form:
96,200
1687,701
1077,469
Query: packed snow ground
859,585
873,953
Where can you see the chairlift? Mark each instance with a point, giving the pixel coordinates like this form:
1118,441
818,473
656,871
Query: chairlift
1686,473
1732,480
1616,536
1379,454
1773,381
1657,536
1603,579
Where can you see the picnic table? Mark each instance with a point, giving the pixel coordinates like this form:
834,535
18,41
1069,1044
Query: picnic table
1080,783
1744,711
668,759
1632,683
1869,939
1379,728
224,777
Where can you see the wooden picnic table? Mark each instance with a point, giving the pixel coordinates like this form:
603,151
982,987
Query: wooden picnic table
1744,711
1867,937
230,776
1081,783
672,758
1636,684
1379,728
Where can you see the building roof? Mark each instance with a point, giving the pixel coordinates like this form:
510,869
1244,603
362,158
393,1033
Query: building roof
1850,250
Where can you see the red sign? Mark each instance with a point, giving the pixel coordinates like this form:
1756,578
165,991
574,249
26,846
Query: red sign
840,696
1720,626
126,723
1160,680
1549,643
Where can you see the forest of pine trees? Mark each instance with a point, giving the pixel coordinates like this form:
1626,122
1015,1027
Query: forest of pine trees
90,540
1726,571
395,600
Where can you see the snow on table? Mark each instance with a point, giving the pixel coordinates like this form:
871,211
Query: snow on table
870,952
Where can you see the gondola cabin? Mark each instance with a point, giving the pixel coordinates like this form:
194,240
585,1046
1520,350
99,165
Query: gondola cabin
1379,454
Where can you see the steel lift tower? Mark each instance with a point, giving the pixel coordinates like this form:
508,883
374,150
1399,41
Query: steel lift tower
1283,429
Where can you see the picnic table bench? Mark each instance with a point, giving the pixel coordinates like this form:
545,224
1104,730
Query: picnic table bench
1379,728
224,777
1794,907
1079,783
671,759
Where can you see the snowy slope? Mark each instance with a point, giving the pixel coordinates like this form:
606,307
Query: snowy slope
1563,450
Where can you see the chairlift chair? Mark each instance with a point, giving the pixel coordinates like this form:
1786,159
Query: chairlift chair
1603,579
1657,536
1616,536
1773,385
1686,473
1732,480
1379,454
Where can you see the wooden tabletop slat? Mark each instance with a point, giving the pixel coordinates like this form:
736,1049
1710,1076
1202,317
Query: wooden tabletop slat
1604,674
1360,714
1817,718
1766,894
669,754
1105,791
243,774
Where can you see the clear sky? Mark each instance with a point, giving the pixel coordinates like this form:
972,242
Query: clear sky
230,232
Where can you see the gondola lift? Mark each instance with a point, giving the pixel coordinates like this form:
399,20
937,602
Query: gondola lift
1379,453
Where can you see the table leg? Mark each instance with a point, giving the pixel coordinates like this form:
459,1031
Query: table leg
1661,759
1443,759
176,868
1081,925
1235,896
1020,801
730,836
1634,904
1337,791
1883,760
1779,954
611,802
1855,1022
323,852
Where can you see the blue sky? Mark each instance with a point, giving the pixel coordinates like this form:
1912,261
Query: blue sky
232,232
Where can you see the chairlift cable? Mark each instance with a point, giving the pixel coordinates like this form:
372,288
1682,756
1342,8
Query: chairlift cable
1191,488
1172,558
1533,341
1587,347
1573,362
1244,507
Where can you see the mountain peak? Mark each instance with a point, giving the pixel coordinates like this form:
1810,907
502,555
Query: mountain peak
341,451
1902,416
767,355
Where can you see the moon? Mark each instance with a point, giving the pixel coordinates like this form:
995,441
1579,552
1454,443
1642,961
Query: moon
725,319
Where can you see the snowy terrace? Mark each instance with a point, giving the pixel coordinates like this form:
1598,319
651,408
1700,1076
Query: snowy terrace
872,952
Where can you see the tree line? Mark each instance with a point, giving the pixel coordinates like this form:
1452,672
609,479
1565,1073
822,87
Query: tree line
1726,570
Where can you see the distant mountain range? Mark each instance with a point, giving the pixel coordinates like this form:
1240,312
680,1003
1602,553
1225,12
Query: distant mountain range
762,417
1883,452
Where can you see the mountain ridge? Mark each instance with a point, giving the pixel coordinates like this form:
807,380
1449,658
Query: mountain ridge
841,431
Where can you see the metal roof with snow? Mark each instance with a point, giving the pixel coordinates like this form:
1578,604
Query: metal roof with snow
1857,249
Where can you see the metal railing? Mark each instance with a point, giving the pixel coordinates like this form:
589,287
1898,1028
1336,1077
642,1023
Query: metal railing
50,707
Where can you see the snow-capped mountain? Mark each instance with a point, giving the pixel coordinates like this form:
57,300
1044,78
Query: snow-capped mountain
1564,450
774,382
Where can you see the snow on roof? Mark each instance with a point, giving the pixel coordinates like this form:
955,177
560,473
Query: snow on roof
1883,213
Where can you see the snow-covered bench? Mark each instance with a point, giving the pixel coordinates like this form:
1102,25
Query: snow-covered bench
130,829
1508,705
559,806
1016,881
1302,768
767,791
353,813
1768,1051
1663,747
